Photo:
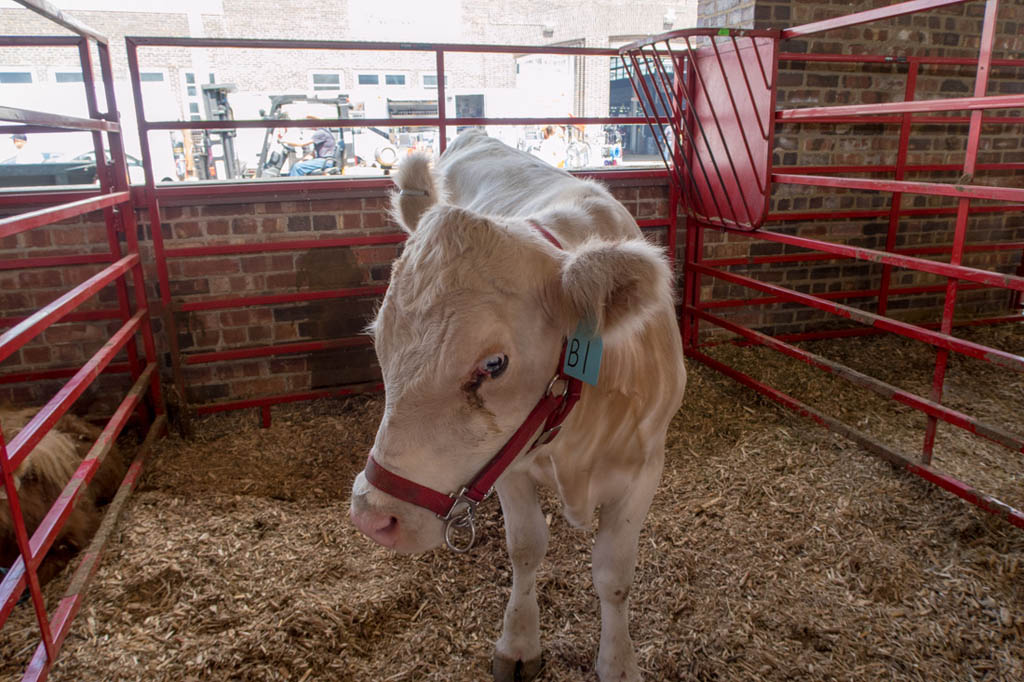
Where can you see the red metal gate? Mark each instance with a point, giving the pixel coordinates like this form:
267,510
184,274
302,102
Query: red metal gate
123,269
706,140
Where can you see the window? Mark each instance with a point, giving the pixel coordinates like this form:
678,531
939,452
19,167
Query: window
368,79
620,70
394,79
151,77
430,80
191,87
15,77
67,76
326,81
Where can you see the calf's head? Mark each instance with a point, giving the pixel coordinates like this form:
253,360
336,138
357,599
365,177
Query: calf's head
468,338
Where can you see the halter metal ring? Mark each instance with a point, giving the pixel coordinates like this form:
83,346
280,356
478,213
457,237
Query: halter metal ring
554,380
461,516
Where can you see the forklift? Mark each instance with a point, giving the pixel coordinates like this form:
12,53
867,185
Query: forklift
272,162
213,151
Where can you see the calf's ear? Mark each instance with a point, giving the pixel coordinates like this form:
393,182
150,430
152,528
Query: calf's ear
619,286
419,188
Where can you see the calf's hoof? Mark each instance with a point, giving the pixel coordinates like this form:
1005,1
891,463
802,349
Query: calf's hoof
508,670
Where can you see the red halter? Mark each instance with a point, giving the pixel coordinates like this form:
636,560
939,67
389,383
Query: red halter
458,510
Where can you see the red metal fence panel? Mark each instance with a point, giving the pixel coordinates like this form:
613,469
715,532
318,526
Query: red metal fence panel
122,269
709,97
688,121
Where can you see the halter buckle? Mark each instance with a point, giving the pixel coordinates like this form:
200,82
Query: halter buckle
460,517
549,434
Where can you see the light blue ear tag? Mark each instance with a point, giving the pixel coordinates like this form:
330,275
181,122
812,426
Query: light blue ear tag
583,353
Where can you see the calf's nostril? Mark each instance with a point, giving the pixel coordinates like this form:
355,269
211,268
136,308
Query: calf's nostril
381,528
388,528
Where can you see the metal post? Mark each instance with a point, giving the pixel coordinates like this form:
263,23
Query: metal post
897,197
442,129
156,229
988,32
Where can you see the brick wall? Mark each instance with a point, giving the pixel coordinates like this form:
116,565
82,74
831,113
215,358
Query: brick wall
67,344
194,223
949,32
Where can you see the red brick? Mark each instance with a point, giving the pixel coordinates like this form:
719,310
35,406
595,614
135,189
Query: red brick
206,338
70,354
244,226
36,239
245,283
373,255
44,297
41,279
370,203
186,230
375,219
275,263
337,205
95,234
259,386
325,222
198,374
624,194
284,280
282,261
260,334
271,226
234,336
217,227
73,333
255,263
235,318
209,266
35,355
73,236
658,192
285,332
351,221
299,223
280,207
288,365
175,212
227,209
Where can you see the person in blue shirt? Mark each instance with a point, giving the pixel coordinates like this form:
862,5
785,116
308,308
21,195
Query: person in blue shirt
323,151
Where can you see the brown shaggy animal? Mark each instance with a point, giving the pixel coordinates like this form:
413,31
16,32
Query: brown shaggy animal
42,476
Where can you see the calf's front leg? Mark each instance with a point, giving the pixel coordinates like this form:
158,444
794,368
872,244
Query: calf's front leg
517,652
614,562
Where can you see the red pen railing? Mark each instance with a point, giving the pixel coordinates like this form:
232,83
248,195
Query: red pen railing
122,268
706,138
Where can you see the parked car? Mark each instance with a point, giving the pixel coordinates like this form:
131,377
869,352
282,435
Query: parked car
136,171
60,170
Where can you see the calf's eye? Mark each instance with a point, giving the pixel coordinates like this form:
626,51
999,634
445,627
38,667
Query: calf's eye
493,366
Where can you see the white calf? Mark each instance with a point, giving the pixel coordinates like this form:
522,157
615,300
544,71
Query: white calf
505,257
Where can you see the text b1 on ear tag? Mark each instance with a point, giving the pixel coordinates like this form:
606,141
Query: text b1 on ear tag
583,353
